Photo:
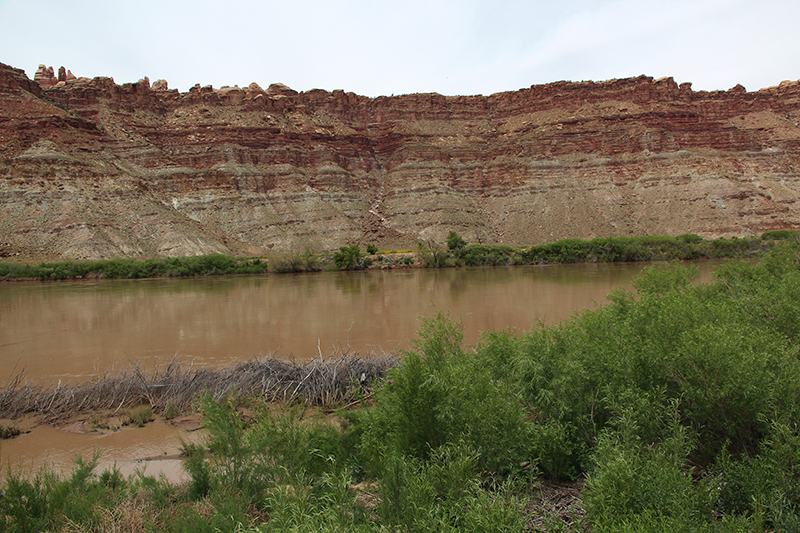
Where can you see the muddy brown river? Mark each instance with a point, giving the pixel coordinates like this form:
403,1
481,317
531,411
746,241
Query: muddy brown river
76,330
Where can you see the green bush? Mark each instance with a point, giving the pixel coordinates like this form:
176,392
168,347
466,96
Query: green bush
633,476
444,493
725,350
348,257
48,502
441,395
215,264
455,242
766,485
432,256
487,255
648,248
780,234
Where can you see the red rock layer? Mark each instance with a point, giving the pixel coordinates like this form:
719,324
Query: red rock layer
89,168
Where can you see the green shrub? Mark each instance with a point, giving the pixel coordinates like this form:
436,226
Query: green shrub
440,395
780,234
24,504
197,468
432,256
331,506
232,457
455,242
348,257
487,255
444,493
632,476
48,502
8,431
767,485
725,350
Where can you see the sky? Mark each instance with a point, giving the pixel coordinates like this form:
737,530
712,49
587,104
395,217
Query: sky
385,47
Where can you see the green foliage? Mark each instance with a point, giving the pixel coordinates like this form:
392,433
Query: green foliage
197,468
665,279
24,504
457,252
677,375
331,506
348,257
8,431
171,410
48,502
204,265
730,365
444,493
780,234
455,242
768,484
488,255
432,256
611,249
633,476
233,465
441,395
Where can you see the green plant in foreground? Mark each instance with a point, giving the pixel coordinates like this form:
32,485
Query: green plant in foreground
442,395
445,493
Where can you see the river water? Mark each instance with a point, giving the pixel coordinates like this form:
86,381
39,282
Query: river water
76,330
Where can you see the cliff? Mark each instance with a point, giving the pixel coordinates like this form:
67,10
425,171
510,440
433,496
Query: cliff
92,169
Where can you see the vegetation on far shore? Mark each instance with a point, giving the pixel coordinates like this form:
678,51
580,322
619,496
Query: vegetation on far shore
455,252
677,405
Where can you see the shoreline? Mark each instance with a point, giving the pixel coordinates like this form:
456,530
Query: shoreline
428,255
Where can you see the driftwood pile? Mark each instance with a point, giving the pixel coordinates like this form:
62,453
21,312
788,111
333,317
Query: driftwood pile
321,381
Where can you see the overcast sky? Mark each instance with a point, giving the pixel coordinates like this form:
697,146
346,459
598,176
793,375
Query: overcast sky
383,47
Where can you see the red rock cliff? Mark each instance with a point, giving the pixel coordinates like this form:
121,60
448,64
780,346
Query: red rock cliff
89,168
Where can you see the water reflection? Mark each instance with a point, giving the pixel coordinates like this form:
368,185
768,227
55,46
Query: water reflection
73,330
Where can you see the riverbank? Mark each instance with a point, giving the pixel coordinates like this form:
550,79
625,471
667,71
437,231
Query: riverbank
674,408
456,252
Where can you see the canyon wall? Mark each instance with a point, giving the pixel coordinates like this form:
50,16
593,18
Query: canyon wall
92,169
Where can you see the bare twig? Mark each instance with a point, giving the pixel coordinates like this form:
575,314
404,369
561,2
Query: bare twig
319,381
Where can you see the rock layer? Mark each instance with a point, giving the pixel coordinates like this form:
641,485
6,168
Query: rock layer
92,169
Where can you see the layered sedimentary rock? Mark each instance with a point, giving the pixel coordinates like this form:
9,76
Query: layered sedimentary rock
91,169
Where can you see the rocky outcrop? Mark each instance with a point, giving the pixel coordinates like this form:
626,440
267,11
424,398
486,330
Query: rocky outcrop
45,77
89,168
